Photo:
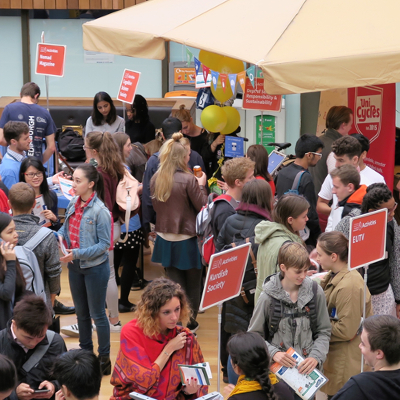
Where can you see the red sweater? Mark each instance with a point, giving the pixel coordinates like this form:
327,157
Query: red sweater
110,193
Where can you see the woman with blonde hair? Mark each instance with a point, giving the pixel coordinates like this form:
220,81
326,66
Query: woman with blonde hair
177,197
153,345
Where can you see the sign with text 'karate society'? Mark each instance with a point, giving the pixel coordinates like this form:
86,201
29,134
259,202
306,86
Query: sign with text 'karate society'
225,276
127,89
367,239
50,59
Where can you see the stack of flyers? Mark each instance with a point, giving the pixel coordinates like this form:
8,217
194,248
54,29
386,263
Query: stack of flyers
201,372
66,187
304,386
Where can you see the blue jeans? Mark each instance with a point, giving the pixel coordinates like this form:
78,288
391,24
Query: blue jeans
88,288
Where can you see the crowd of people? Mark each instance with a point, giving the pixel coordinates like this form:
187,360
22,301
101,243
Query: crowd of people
296,222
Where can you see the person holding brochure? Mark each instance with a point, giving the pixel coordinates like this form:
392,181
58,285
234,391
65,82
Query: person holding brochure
87,231
380,345
302,321
33,172
153,344
344,291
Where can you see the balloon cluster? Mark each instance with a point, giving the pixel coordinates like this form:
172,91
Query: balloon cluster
214,118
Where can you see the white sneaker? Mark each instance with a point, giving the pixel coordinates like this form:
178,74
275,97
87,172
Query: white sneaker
115,328
73,330
70,330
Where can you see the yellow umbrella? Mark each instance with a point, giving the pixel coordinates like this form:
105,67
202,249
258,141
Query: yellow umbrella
301,45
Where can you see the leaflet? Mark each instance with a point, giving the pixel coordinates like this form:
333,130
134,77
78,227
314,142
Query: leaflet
304,386
66,187
37,211
201,372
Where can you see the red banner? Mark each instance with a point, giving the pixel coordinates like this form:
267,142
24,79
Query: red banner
50,59
374,109
127,88
367,239
255,98
225,276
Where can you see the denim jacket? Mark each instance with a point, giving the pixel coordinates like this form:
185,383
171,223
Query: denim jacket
94,232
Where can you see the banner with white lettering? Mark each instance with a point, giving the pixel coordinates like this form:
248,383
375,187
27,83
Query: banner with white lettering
374,109
50,59
127,88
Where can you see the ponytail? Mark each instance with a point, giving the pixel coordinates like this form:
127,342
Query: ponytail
109,154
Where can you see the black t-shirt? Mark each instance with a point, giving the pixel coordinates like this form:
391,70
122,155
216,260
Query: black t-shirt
379,272
222,211
379,385
140,132
197,143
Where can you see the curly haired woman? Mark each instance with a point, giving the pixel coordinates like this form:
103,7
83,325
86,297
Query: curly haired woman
152,346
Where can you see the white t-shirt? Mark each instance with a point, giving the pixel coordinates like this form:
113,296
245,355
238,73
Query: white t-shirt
368,176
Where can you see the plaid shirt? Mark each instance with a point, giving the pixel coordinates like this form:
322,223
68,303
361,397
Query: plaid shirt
75,221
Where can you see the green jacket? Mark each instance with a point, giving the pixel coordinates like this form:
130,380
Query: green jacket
270,236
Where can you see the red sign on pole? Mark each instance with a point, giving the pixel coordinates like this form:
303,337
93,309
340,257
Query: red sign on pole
367,239
255,98
127,89
374,109
225,276
50,59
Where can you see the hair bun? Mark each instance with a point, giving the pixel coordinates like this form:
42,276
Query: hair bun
177,136
182,107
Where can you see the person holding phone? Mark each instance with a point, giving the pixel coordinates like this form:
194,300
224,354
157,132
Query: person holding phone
153,345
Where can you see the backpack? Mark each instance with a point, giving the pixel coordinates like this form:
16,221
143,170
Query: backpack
249,283
29,263
275,314
127,198
204,231
70,144
296,183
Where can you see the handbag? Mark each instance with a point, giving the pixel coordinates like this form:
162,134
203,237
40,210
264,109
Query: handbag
127,199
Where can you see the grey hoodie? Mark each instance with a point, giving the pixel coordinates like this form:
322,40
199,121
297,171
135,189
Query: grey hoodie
300,337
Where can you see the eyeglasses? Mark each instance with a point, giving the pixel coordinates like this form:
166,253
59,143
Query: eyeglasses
315,154
32,174
86,148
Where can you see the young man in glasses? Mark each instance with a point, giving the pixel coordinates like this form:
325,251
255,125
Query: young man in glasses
308,153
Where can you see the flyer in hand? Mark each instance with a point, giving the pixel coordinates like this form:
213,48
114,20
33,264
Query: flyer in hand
201,371
304,386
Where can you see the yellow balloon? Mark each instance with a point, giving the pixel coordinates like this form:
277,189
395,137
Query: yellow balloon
219,93
228,65
233,116
209,59
213,118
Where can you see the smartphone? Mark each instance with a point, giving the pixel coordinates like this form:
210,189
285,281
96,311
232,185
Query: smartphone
41,391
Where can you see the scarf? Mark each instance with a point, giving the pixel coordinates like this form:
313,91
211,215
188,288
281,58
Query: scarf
245,386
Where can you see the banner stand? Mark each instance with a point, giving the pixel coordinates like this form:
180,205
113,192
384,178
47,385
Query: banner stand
219,345
364,307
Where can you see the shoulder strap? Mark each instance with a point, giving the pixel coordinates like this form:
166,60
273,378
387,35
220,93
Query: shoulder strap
312,306
38,353
38,238
228,199
253,257
275,316
297,179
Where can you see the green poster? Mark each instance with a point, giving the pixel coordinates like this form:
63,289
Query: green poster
266,129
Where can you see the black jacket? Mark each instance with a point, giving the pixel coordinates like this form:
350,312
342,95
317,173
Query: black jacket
42,371
236,229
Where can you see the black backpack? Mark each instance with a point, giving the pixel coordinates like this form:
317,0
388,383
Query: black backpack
276,314
70,144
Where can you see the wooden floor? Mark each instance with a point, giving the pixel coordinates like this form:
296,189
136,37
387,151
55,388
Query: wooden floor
207,333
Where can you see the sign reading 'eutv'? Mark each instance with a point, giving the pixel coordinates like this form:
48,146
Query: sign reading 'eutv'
127,88
367,239
225,276
50,59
